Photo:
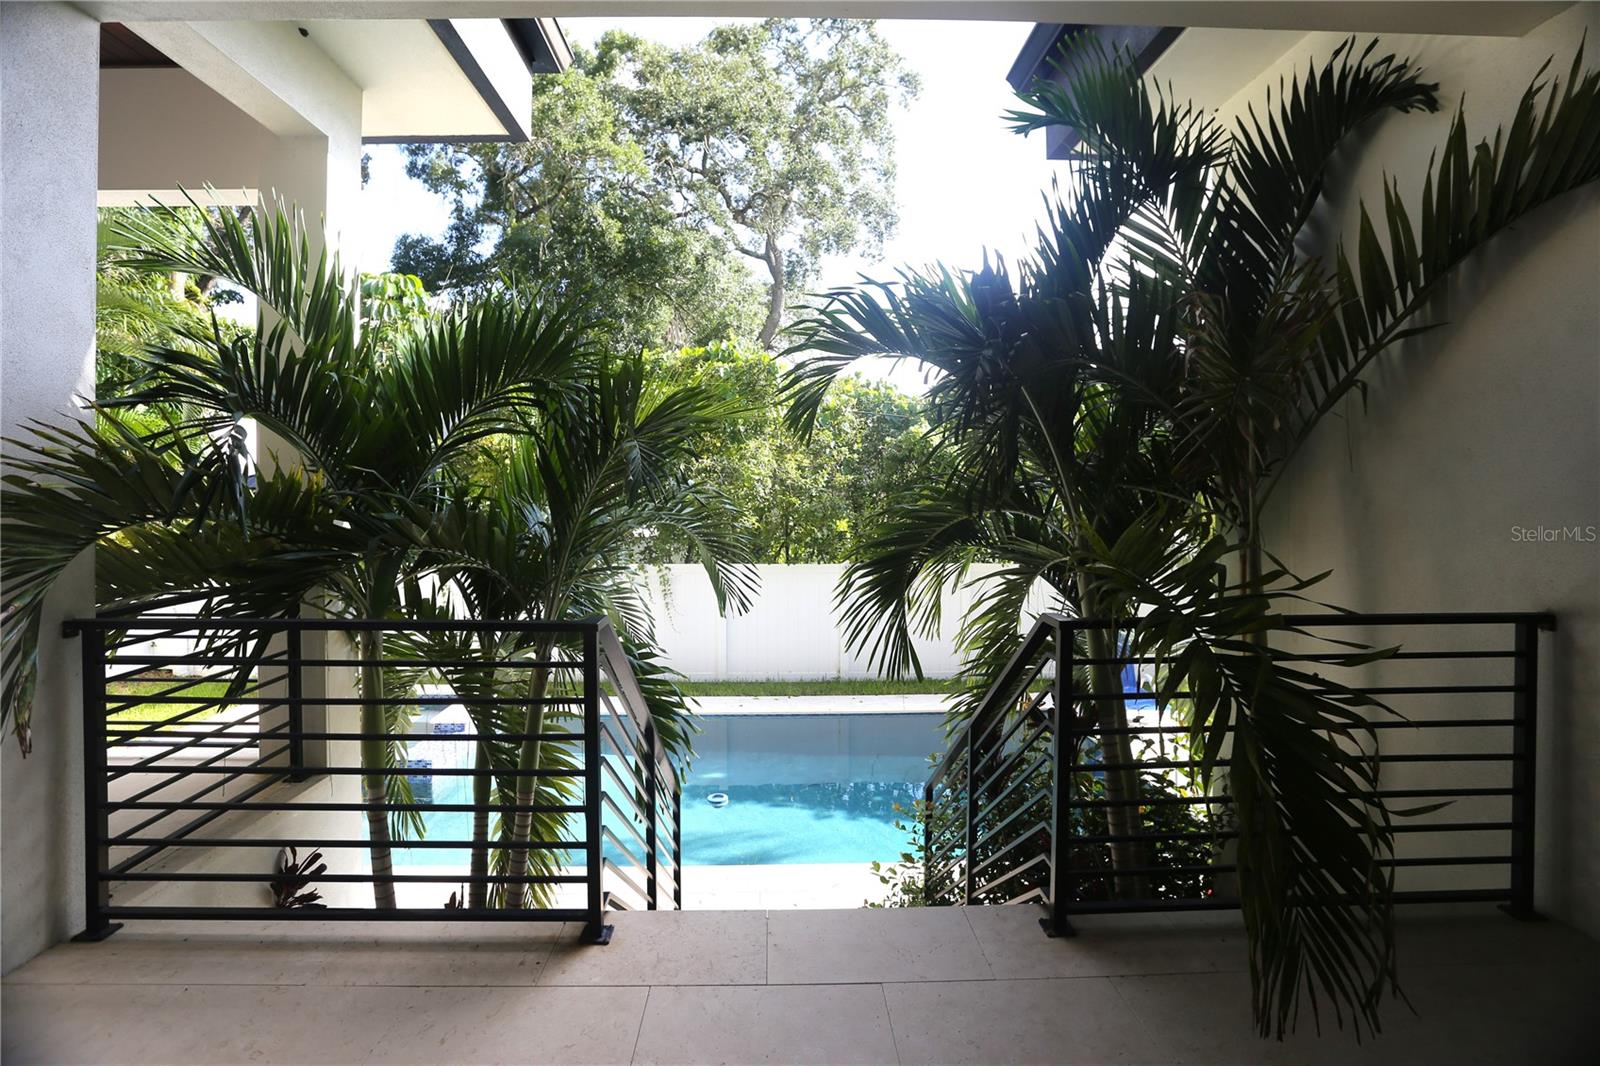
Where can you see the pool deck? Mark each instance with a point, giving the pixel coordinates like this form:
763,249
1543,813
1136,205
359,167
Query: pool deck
787,886
923,703
952,985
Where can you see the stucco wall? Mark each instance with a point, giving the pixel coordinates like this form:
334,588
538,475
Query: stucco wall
1490,424
49,55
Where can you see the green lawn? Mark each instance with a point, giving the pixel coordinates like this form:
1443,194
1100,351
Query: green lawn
834,687
160,712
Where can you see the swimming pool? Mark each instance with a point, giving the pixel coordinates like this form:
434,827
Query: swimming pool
813,788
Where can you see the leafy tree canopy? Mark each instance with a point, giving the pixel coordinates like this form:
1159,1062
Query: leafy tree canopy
801,501
659,175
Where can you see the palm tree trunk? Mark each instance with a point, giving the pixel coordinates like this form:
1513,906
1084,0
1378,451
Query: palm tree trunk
375,757
482,792
1122,786
516,895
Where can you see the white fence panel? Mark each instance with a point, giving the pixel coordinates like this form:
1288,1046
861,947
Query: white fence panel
791,632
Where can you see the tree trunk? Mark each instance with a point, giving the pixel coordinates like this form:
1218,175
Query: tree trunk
482,794
773,257
516,895
374,756
1122,786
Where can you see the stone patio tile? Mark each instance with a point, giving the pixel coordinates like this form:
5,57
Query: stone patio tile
1103,945
842,947
1062,1021
826,1024
666,947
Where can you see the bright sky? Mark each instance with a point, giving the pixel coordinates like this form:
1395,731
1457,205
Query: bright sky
965,182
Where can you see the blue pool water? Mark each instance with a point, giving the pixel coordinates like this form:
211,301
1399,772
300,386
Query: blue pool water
801,789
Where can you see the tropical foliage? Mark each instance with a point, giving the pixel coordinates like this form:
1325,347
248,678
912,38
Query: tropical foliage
1118,407
359,501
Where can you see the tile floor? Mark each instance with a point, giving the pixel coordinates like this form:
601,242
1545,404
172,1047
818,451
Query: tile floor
845,986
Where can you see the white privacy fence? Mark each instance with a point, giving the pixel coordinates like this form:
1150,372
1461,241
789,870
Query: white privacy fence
791,632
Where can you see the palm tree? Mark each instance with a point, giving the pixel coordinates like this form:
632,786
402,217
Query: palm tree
369,420
558,534
1119,412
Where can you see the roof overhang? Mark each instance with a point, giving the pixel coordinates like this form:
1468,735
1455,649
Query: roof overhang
1041,58
442,79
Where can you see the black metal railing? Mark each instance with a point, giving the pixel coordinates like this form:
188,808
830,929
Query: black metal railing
1020,806
212,745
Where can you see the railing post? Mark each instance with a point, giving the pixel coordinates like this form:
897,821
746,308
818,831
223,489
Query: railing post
650,817
596,932
295,695
971,804
677,845
96,819
1062,749
1524,755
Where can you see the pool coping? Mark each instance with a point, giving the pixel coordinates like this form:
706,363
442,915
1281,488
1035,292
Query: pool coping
915,703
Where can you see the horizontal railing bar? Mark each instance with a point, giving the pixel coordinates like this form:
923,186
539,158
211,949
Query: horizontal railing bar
73,626
1022,715
188,827
153,727
634,791
362,844
410,737
617,872
152,763
279,659
511,808
352,771
1232,834
1107,873
1021,779
1035,893
1016,842
245,660
1330,658
982,748
978,890
1189,764
1409,723
443,877
1393,793
1544,619
347,914
375,701
627,820
616,842
170,776
1007,681
1460,895
1011,761
195,823
1027,805
116,702
626,752
614,663
1377,690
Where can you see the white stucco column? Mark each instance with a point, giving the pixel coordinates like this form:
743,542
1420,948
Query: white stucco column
49,81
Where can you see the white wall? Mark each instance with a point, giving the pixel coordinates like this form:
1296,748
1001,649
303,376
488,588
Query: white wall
1490,423
49,81
792,630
